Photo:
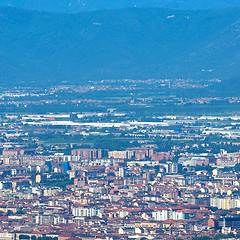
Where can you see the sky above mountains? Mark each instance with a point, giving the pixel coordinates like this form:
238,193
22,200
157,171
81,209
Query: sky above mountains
73,6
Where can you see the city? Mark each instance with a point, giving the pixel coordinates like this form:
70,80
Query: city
110,175
119,119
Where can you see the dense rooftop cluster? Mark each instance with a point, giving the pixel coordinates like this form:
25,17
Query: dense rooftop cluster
137,193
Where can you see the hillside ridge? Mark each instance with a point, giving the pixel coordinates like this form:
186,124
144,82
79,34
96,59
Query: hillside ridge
127,43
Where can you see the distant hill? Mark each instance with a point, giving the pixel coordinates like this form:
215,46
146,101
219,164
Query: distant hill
73,6
128,43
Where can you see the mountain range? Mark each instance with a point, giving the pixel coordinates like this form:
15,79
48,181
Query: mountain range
74,6
139,43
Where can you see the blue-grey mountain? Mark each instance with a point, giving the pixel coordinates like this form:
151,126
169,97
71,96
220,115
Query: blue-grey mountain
127,43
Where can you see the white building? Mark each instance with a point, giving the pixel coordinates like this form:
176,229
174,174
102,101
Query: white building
165,214
86,212
7,236
161,215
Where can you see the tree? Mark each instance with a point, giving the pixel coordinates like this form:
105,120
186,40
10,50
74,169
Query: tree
19,212
24,237
9,212
220,236
237,167
230,235
201,238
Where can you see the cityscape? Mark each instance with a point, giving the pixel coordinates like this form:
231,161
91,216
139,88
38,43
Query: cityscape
115,174
119,120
